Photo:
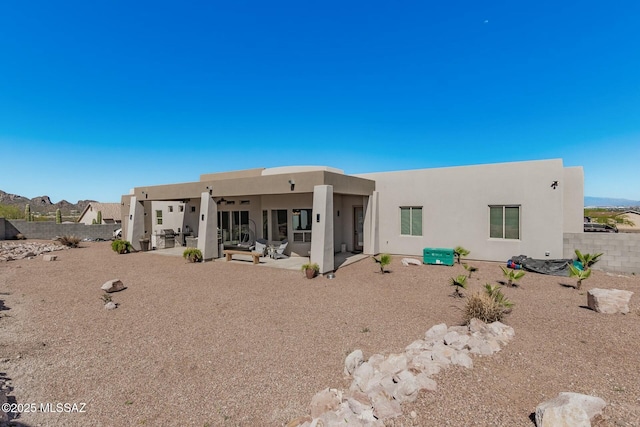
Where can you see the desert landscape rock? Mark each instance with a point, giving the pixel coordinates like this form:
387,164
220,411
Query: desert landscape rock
114,285
569,410
609,301
110,305
382,384
49,257
10,251
410,261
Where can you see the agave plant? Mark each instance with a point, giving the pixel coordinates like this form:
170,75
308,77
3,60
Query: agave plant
458,283
512,275
385,259
587,260
459,252
470,269
579,274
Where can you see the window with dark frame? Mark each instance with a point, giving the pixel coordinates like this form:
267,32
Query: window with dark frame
504,222
411,220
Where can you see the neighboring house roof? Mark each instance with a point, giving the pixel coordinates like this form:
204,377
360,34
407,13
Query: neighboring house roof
110,211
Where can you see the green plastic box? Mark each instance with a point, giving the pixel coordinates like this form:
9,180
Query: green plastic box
443,256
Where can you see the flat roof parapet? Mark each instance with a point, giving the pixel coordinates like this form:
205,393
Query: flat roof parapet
297,169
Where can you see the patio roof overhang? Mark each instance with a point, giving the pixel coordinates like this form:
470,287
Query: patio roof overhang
238,185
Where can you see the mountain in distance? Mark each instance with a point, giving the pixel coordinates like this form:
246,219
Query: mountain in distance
590,201
43,204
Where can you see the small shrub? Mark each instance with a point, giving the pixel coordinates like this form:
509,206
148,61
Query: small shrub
459,252
458,283
470,269
385,259
579,274
106,298
587,260
512,275
482,306
192,255
494,292
20,236
70,241
121,246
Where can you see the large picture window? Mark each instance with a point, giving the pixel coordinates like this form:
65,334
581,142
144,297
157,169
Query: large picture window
301,222
411,221
504,222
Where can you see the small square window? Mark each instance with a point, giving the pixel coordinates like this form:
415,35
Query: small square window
170,208
193,208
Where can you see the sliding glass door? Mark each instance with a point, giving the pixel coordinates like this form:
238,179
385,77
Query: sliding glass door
234,226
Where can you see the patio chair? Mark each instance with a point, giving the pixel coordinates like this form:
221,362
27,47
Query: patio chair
280,251
260,246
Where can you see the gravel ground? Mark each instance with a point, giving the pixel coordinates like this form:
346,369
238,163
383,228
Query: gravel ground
226,344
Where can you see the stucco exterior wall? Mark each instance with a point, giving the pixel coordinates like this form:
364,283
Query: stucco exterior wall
572,187
455,203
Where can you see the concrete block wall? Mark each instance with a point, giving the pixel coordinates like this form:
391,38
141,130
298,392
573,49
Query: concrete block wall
48,230
621,251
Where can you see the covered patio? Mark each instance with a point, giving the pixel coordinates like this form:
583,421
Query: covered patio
341,259
319,211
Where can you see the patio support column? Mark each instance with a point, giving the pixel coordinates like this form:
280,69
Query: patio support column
322,246
208,227
371,233
135,226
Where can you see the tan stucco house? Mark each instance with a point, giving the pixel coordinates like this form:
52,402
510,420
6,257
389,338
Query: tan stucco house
111,213
494,210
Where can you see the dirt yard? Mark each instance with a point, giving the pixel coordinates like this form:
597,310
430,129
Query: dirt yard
233,344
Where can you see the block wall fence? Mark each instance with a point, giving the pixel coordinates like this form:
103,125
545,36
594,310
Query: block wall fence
621,251
47,230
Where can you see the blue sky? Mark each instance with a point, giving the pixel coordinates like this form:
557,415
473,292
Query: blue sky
97,97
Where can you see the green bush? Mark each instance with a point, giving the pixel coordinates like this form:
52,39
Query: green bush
385,259
459,252
470,269
512,275
458,283
121,246
192,255
580,275
10,212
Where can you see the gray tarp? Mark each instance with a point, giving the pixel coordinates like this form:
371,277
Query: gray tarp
554,267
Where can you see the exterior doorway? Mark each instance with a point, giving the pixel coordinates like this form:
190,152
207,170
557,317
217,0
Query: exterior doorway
358,228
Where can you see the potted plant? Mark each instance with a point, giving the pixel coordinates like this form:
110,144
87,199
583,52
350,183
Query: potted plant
311,270
192,255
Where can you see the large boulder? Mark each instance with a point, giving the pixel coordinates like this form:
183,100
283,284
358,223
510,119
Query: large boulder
569,410
114,285
609,300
